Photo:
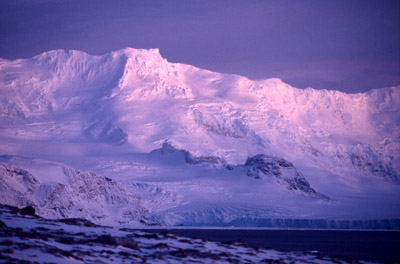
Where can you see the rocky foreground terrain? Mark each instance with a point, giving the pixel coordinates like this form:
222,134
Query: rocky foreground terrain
27,238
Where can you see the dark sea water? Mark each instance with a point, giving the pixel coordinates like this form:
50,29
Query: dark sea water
363,245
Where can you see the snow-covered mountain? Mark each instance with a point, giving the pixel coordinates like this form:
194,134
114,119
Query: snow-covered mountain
237,148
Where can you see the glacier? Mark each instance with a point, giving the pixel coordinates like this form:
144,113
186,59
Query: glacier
128,138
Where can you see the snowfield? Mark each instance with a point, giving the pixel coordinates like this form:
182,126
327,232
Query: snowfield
129,139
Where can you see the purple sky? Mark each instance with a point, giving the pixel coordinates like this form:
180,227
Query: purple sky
349,45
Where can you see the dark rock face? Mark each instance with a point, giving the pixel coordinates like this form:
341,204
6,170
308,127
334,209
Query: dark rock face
263,166
260,166
2,224
168,148
105,133
78,222
117,241
371,163
29,210
203,160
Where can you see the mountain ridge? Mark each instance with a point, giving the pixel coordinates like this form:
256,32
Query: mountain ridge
106,113
65,82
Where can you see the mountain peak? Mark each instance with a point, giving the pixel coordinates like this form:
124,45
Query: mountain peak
104,113
144,54
206,112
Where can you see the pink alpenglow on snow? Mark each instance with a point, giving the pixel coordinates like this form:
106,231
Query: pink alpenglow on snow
128,138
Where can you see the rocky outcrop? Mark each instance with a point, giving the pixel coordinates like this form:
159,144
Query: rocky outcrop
214,161
263,166
85,195
260,166
17,186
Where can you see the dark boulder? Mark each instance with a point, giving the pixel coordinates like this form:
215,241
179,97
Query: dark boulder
29,210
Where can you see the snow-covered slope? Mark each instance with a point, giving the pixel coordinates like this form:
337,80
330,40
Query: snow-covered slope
137,97
108,113
68,193
59,191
